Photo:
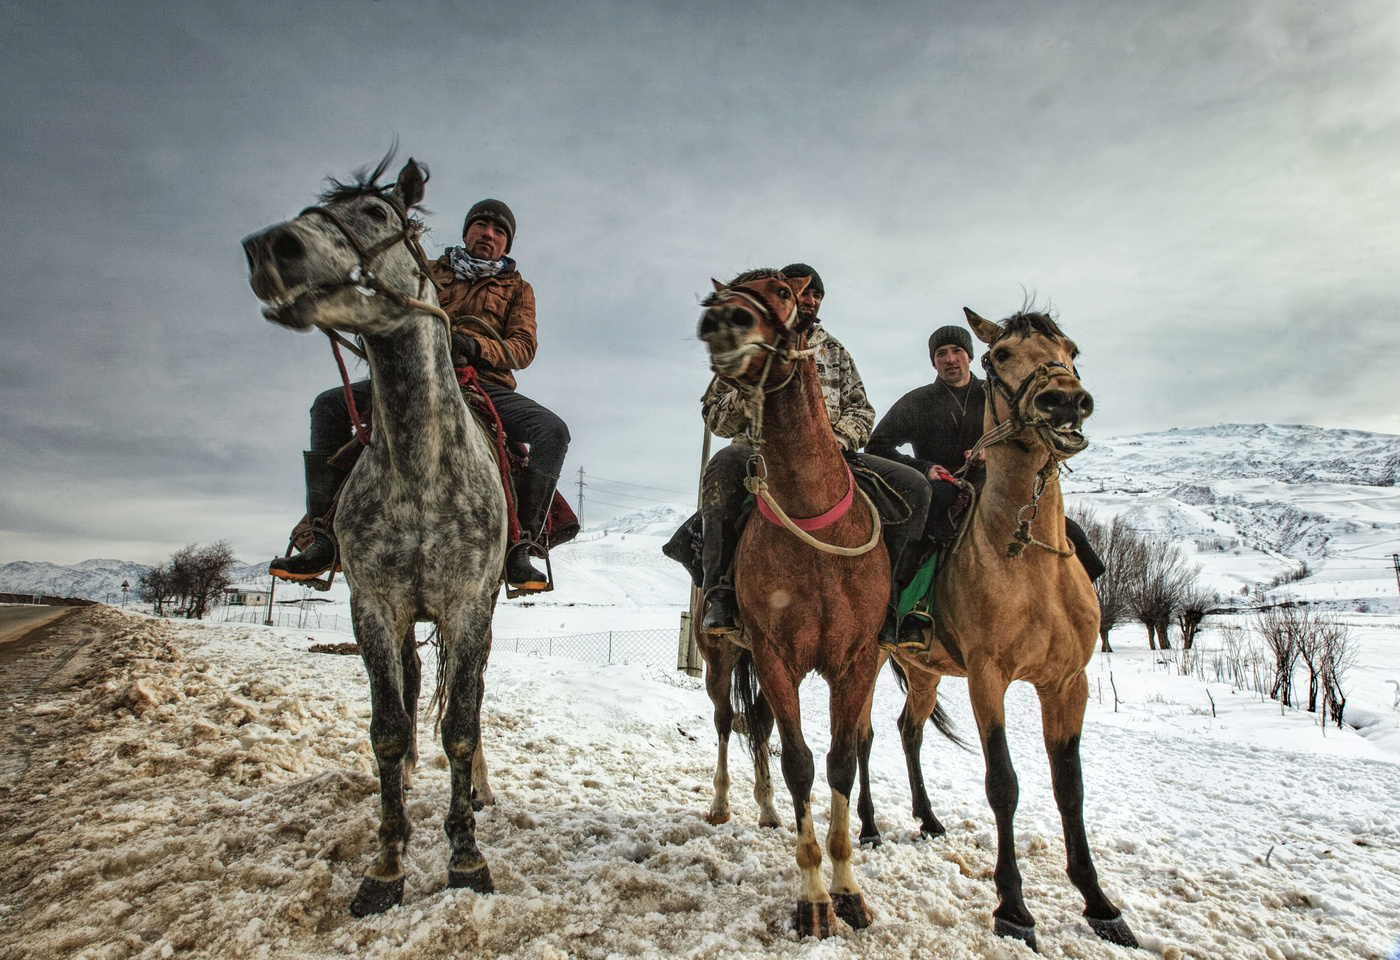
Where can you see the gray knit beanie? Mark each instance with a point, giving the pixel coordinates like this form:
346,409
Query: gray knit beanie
945,336
498,213
795,270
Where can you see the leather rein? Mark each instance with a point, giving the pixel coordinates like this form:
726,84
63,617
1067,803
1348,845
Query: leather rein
784,348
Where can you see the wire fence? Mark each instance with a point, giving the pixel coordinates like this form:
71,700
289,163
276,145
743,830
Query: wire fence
652,648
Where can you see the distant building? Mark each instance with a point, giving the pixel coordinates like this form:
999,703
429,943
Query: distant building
245,597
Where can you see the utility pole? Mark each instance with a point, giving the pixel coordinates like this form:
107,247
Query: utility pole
1395,560
581,485
125,585
271,587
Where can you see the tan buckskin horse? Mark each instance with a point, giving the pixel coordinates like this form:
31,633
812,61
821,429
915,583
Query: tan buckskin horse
805,602
1013,603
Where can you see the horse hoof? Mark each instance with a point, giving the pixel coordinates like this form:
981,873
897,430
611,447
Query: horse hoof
932,828
814,919
1114,931
478,879
376,896
715,819
1005,928
851,908
872,841
772,823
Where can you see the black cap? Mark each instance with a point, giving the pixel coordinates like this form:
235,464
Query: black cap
950,336
793,270
498,213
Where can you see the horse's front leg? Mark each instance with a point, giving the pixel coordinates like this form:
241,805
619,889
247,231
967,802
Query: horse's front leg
814,916
391,735
482,794
850,735
1062,716
986,688
865,806
466,642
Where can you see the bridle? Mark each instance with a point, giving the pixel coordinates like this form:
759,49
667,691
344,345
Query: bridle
362,276
1021,416
785,346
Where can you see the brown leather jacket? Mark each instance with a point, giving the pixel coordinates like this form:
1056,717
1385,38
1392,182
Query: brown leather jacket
506,303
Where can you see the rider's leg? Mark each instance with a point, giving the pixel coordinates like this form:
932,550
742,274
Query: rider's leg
1084,550
721,498
901,539
330,430
527,422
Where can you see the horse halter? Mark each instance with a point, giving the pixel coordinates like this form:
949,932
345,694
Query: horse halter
362,276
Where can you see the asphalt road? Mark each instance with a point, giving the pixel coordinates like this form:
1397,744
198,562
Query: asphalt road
36,645
19,619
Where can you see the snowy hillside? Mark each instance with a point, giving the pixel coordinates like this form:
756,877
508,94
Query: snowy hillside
95,579
1254,501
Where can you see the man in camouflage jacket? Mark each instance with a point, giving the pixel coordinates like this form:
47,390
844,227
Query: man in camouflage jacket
852,418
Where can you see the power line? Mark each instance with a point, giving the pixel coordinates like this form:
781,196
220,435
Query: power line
620,506
634,496
645,486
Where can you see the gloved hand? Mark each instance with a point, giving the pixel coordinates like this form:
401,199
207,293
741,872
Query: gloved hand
465,349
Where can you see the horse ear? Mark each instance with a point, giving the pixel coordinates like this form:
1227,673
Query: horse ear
986,331
412,179
798,284
719,287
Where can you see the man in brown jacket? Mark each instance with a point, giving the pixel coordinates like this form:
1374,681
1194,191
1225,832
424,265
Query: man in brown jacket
493,329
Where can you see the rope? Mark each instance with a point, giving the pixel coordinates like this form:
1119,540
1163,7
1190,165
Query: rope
759,488
361,428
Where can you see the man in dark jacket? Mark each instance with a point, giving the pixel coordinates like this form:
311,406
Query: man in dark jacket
942,422
493,329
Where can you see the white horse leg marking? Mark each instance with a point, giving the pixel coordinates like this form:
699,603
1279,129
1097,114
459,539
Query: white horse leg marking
838,844
763,789
481,787
809,859
719,806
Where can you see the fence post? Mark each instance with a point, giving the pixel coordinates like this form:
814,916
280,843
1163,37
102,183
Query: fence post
609,646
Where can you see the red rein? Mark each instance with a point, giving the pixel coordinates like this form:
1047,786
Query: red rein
815,523
361,428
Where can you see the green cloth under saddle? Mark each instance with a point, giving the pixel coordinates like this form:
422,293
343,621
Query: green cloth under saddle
917,598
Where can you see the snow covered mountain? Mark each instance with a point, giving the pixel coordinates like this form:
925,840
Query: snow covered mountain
95,579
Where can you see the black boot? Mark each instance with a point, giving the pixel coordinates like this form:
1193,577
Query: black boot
322,484
534,492
905,554
721,606
683,547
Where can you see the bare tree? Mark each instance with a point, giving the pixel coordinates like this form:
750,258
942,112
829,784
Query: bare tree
1339,654
156,586
1195,606
1124,552
201,574
1157,593
1280,626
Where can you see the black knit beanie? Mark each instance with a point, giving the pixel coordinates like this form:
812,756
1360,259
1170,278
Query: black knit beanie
945,336
498,213
793,270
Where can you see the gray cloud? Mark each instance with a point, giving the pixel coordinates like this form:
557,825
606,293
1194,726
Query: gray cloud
1204,191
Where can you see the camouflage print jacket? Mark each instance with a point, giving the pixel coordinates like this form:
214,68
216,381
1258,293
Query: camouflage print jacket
852,417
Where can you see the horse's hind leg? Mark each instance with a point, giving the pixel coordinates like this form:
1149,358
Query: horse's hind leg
919,705
987,689
412,686
850,725
719,669
1062,716
865,806
482,794
465,645
760,730
391,735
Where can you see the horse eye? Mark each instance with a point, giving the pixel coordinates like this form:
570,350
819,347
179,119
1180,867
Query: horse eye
376,212
1003,355
782,293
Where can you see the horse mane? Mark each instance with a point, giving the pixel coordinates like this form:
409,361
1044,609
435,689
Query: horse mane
761,273
364,182
1029,321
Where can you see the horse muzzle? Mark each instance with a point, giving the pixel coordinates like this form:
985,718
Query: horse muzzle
730,331
1061,414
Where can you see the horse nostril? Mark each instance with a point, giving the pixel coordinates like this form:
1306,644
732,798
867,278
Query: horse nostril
739,318
1086,404
285,247
1048,401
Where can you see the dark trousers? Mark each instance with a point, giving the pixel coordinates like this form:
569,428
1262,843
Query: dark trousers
524,421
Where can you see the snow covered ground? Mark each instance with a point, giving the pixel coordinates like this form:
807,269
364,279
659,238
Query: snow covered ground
210,793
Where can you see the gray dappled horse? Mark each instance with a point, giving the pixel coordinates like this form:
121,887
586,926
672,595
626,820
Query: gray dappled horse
422,518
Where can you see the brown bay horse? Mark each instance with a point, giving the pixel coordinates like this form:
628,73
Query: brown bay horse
802,606
1013,603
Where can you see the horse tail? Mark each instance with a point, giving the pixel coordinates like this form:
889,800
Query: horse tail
939,718
744,694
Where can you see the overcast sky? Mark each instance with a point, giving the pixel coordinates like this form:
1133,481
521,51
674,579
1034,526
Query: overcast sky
1205,192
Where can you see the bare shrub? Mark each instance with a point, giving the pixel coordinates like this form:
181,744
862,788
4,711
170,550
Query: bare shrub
1338,655
1124,553
1156,596
199,575
1283,628
156,586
